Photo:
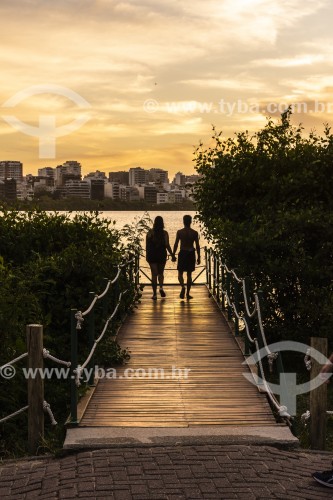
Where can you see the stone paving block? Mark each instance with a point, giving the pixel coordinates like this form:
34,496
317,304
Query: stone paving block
139,489
122,495
161,473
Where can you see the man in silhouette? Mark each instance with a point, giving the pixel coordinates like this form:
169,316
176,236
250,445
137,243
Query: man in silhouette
186,257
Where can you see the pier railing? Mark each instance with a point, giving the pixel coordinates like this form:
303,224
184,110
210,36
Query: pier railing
111,300
36,404
232,295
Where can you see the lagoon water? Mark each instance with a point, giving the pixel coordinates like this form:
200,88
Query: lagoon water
173,220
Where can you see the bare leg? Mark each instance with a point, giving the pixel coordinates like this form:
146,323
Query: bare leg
189,284
181,281
161,280
153,268
160,271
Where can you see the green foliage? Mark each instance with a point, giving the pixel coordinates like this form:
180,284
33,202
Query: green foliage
266,202
48,265
46,202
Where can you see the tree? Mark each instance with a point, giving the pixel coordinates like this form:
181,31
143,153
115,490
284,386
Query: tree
266,203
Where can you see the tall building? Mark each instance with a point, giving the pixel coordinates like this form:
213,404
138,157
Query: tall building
122,177
77,189
129,193
70,170
158,175
97,189
96,175
162,197
192,179
8,189
11,170
112,190
175,197
179,179
138,175
46,172
148,193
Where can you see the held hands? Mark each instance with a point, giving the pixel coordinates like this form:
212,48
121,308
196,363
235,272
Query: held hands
173,258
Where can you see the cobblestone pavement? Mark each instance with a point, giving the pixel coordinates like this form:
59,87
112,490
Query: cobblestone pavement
172,472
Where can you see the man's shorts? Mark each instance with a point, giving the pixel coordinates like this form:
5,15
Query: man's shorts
186,261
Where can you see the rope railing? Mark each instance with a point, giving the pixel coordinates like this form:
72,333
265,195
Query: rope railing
13,361
110,294
36,353
35,388
227,288
47,355
10,363
79,369
105,291
12,415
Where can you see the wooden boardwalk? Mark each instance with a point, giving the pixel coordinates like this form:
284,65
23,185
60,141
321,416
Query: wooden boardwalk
189,335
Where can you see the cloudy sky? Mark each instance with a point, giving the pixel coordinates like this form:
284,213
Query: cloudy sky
140,82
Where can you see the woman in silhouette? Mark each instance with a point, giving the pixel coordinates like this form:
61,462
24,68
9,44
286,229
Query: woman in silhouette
157,245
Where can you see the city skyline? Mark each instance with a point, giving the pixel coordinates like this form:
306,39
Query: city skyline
156,76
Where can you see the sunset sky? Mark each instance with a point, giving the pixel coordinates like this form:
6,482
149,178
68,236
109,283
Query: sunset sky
156,74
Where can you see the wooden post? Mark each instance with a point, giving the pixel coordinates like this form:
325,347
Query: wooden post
209,270
223,286
137,267
236,302
214,273
228,290
318,399
35,387
74,363
218,284
247,318
91,331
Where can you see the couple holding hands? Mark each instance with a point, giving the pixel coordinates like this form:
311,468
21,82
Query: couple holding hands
157,246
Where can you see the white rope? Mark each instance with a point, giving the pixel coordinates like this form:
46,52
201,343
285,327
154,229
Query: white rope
14,360
47,409
93,302
14,414
80,320
270,355
262,331
271,358
247,309
307,359
232,272
97,297
127,262
78,371
241,318
305,416
47,355
105,291
283,410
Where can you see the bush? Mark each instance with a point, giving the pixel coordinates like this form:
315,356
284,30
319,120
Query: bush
266,202
48,265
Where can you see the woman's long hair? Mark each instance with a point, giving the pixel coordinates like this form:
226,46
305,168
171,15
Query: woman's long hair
158,231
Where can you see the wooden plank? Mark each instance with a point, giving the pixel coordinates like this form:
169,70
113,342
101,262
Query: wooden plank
183,334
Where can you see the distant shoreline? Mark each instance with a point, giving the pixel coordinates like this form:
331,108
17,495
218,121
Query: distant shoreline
75,204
